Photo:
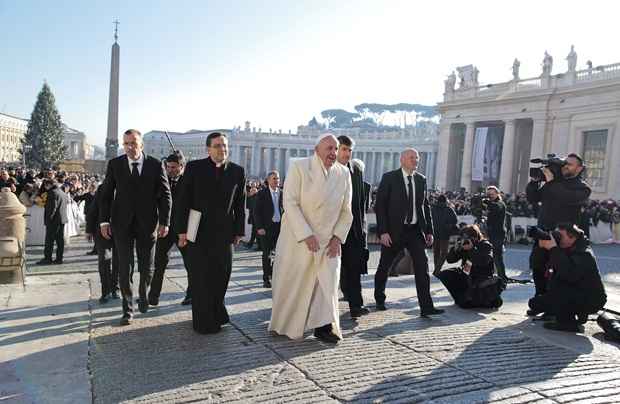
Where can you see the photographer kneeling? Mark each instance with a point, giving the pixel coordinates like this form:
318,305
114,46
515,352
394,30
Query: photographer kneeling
473,285
575,286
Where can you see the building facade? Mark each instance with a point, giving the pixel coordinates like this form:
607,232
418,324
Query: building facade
12,131
77,148
260,152
489,133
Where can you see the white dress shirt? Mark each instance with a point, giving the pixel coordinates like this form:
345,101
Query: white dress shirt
415,213
275,200
140,162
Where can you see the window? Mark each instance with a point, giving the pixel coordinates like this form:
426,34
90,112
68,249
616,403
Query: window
594,146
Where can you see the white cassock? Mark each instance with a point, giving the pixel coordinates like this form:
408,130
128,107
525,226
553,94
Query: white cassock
305,284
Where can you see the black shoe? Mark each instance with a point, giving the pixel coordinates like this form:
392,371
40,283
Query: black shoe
92,252
57,261
153,301
357,312
44,262
187,301
393,275
126,319
582,318
498,303
103,299
381,307
143,306
267,284
436,273
326,336
115,295
430,312
532,312
570,326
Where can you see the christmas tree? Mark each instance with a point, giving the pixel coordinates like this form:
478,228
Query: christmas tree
43,142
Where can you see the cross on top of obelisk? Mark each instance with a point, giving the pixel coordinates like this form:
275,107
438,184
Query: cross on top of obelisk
116,30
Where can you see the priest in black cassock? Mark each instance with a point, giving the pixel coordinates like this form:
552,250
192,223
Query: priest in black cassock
214,189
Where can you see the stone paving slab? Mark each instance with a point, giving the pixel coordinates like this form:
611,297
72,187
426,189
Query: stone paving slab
61,345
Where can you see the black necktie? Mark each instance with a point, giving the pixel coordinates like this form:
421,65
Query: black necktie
135,174
409,201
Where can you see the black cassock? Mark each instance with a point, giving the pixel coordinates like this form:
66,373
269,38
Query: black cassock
219,194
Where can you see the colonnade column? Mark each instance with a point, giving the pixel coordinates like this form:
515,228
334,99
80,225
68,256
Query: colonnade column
508,154
441,171
467,155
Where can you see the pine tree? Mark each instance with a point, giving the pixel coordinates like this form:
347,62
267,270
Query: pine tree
43,142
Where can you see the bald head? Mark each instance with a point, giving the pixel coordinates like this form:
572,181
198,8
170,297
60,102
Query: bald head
327,149
409,160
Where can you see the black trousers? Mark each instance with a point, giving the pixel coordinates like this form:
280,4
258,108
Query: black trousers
145,248
162,257
107,260
351,269
268,244
498,257
412,239
440,252
538,263
210,264
565,306
54,233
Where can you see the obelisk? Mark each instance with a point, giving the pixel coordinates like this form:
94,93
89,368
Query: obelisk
111,142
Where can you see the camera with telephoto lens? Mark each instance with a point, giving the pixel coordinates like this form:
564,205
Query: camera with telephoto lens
536,233
552,162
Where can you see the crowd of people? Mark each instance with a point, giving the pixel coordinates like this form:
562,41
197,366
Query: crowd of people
52,190
313,233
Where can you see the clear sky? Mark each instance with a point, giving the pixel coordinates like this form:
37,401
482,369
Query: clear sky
215,64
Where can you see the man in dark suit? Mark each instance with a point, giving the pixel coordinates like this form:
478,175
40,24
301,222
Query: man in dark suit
107,259
55,218
214,189
267,215
404,221
354,258
135,206
175,163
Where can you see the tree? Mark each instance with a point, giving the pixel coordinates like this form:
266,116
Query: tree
43,142
339,118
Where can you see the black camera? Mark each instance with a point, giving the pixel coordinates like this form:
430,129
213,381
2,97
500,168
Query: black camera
536,233
478,204
552,162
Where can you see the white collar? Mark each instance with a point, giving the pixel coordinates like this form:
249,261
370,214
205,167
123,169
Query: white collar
272,190
405,174
139,161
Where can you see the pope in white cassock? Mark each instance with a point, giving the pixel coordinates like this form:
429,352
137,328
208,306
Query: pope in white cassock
316,221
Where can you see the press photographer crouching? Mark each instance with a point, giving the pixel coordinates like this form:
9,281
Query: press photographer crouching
473,284
561,193
575,286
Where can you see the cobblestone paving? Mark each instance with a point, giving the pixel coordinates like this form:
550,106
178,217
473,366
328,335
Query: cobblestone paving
394,356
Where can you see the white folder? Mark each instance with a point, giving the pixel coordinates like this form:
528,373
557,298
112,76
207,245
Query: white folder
193,221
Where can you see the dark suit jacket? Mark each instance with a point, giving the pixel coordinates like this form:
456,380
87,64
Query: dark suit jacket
359,203
263,210
222,202
391,205
174,192
92,221
55,207
149,200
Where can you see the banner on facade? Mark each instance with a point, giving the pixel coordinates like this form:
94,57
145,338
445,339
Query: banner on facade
478,152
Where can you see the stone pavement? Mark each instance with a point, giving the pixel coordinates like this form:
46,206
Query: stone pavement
60,345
